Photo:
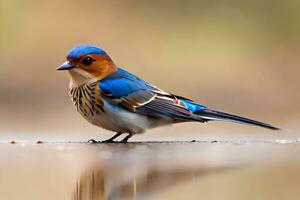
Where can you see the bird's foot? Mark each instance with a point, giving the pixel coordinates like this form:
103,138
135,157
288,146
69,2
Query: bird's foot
111,140
123,141
108,141
92,141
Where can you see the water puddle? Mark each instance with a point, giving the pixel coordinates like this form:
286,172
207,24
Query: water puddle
166,170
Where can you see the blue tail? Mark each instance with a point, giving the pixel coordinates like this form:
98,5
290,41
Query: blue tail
204,115
211,115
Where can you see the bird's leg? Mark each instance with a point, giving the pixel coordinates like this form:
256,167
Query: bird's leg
111,140
125,140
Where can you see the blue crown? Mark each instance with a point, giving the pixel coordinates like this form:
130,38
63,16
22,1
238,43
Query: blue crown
80,50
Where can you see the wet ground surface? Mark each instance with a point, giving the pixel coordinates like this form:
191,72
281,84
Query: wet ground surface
227,169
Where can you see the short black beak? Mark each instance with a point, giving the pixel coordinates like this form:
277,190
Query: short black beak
65,66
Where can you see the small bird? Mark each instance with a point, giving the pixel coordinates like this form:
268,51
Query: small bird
116,100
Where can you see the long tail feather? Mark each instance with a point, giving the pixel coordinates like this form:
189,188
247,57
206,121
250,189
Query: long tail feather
208,115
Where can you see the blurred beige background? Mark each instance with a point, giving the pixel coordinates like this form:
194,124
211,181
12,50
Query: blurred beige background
237,56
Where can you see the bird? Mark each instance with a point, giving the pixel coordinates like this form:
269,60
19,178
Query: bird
116,100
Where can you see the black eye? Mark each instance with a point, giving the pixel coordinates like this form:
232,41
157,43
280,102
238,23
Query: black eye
87,61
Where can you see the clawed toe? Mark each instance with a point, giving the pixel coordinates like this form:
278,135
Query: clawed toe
111,140
108,141
92,141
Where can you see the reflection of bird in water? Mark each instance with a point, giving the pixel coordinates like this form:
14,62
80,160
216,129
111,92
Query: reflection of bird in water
116,100
136,171
97,183
90,186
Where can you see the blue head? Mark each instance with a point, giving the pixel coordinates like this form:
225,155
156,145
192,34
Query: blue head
81,50
86,61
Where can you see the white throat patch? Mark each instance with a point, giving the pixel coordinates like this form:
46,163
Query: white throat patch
79,77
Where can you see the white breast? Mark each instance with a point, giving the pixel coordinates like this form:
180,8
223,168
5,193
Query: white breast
118,119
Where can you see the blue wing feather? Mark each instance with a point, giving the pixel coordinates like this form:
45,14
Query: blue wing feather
138,96
122,83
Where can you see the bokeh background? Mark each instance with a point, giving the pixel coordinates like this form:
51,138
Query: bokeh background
237,56
241,57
